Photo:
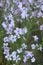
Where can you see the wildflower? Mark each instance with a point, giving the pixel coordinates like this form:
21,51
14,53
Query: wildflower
40,48
20,5
40,1
28,54
11,24
13,53
25,30
41,7
33,46
4,25
24,13
33,14
8,57
41,27
16,31
1,5
16,1
12,38
10,16
33,59
24,46
19,50
24,59
17,58
9,31
20,31
40,14
35,38
6,39
5,45
31,1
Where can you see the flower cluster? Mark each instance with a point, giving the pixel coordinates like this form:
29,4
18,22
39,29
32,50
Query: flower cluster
8,26
16,12
28,54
